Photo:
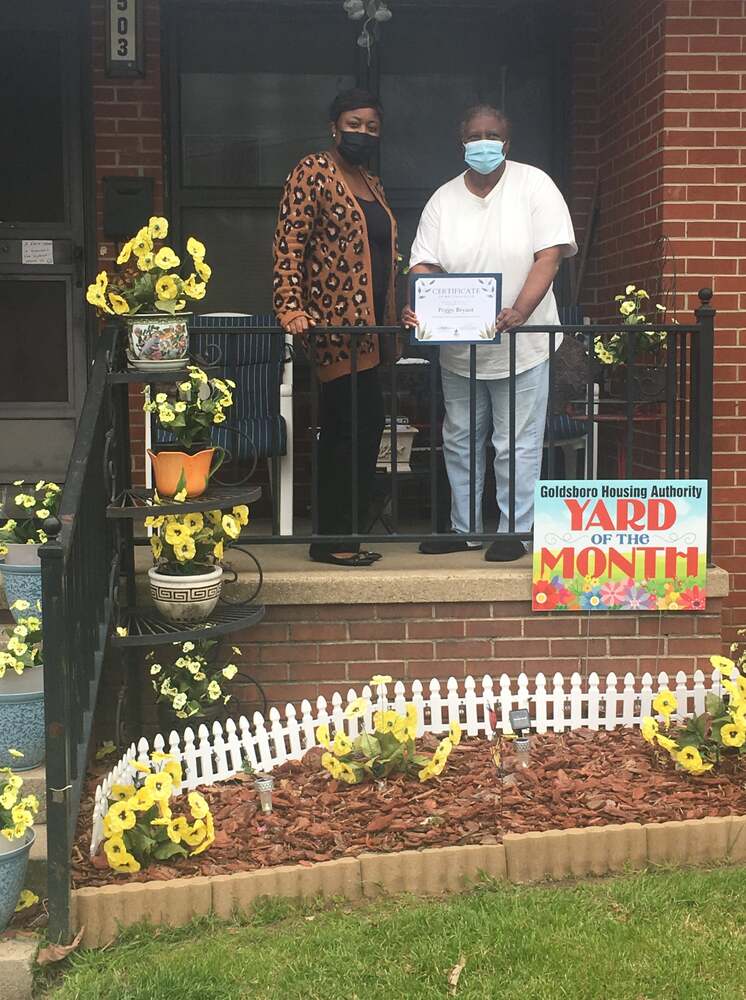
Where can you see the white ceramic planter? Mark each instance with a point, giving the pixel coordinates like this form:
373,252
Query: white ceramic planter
186,598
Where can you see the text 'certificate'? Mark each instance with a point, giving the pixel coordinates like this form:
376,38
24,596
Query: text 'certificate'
456,308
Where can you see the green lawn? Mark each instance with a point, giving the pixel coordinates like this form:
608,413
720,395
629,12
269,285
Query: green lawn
658,936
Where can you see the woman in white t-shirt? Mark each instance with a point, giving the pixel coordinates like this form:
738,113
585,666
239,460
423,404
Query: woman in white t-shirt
508,218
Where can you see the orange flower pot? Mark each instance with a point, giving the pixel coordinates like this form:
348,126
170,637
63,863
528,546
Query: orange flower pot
170,466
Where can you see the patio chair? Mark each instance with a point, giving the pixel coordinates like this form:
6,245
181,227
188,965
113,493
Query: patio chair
259,424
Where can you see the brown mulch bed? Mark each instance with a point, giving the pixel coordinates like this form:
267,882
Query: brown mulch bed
576,779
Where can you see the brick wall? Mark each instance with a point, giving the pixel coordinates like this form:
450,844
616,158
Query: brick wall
129,142
304,652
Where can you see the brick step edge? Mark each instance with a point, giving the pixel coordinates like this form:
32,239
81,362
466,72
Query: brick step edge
521,858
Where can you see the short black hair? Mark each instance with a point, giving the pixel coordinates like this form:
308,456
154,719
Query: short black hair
485,109
351,100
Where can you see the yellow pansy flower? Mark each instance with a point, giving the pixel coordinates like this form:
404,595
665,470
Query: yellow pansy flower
142,800
342,744
664,704
426,773
120,793
193,288
166,287
323,738
649,729
97,298
626,308
454,733
185,550
735,696
146,262
667,744
160,785
125,252
118,304
378,679
175,532
404,730
229,671
165,259
198,805
27,898
691,760
347,774
330,763
142,243
194,521
156,546
195,248
203,270
121,817
385,722
356,708
732,735
231,526
241,514
127,865
158,227
724,664
218,549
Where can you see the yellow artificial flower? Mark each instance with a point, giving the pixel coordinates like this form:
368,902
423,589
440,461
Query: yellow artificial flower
195,248
158,227
125,252
629,289
102,280
193,288
667,744
218,549
203,270
323,738
185,550
120,793
115,848
97,298
8,798
160,785
118,304
166,287
231,526
165,259
454,733
198,805
691,760
442,751
121,817
404,730
342,744
27,898
241,514
142,243
196,374
146,262
213,690
347,774
175,829
379,679
229,671
180,497
142,800
175,532
173,767
626,308
426,773
732,735
723,664
194,522
156,546
664,704
411,713
330,763
649,729
385,722
127,865
356,708
735,695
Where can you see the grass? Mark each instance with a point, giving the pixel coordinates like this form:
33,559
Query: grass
652,936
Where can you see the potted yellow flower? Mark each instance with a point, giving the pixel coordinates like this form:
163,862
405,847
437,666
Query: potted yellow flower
21,535
187,578
190,685
150,294
22,691
197,404
17,814
648,372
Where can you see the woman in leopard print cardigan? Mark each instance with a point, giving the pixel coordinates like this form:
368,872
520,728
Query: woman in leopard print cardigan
334,265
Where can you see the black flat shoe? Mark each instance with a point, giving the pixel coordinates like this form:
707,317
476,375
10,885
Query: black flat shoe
358,559
505,550
442,546
373,556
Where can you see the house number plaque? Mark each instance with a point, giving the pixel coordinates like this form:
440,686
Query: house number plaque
125,54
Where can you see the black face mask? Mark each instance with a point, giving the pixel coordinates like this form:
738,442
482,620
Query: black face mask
358,147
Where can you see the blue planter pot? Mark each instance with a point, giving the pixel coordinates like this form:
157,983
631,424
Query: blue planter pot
22,719
22,583
13,864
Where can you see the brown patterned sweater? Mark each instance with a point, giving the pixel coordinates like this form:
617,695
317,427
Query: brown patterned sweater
322,263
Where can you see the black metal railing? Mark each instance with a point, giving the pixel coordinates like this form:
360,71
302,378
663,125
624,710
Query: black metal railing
80,576
678,440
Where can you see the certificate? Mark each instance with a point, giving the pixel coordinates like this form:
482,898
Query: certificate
456,308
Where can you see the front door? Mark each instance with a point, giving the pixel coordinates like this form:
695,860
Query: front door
42,341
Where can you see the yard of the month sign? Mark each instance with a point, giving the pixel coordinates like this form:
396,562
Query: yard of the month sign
124,38
620,545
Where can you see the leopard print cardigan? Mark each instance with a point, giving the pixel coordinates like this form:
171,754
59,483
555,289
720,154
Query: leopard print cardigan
322,263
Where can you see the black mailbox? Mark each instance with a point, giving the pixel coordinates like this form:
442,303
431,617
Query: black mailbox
128,204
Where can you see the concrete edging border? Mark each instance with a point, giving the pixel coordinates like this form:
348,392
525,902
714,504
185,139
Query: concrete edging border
521,858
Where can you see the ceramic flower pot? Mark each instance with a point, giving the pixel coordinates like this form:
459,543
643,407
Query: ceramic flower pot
158,336
21,575
170,466
22,718
14,855
186,598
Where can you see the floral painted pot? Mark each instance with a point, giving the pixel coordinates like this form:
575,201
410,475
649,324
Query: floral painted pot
14,855
158,336
186,598
22,581
170,468
22,718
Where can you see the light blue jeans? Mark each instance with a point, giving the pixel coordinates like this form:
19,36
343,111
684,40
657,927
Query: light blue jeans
492,398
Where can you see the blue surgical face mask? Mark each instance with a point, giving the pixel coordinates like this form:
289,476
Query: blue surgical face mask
484,155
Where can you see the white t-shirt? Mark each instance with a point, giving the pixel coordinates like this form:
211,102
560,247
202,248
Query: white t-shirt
461,232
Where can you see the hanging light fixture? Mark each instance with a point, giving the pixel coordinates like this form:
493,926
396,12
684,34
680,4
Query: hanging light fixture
372,13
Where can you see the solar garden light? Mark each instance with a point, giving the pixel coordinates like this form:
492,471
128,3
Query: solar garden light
264,783
520,723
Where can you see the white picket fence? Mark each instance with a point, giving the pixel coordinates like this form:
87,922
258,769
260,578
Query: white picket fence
207,758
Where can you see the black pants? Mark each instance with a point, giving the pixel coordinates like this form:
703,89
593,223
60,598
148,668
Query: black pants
336,441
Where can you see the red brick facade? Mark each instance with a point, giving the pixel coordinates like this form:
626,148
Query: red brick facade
659,109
